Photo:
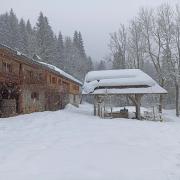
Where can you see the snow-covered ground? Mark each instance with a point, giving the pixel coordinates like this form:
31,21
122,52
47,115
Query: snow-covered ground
71,144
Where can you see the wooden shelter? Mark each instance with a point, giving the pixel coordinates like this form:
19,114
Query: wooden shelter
132,83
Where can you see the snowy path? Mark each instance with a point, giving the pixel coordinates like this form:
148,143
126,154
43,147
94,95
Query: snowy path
72,145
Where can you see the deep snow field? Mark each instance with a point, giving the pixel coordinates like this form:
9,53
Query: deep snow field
71,144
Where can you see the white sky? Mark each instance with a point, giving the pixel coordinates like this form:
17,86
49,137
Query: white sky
94,18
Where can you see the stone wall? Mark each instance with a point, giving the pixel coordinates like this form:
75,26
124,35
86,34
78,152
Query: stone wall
33,99
74,99
8,107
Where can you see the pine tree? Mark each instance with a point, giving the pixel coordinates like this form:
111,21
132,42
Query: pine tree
23,37
9,30
45,40
4,29
81,45
76,40
14,36
60,51
29,27
32,42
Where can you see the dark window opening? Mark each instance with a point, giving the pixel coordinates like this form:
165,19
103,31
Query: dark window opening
59,81
54,80
29,74
7,67
35,95
74,98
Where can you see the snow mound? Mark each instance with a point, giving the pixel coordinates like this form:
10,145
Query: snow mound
70,107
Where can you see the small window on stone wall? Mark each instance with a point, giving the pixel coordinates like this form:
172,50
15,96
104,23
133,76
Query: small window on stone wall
35,95
74,98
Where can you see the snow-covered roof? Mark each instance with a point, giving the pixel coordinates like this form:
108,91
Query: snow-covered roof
126,81
61,72
37,60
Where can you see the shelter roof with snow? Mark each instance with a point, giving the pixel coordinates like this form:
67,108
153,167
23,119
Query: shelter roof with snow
126,81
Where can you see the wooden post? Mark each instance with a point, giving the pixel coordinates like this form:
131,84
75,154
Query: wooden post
111,111
94,105
138,106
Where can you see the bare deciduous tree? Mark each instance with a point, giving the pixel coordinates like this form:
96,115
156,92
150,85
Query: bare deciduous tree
118,44
136,45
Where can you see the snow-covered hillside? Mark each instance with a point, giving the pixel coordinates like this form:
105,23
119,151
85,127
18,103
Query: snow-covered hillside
73,145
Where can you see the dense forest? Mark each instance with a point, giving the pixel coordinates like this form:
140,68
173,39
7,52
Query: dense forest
65,52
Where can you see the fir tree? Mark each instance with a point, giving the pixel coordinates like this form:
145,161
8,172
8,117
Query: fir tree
23,37
76,40
81,45
60,51
4,29
45,40
32,42
14,36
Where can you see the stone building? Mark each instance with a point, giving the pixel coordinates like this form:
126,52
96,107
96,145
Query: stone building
29,85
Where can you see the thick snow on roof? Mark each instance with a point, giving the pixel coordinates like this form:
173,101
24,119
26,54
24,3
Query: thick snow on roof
37,61
61,72
102,82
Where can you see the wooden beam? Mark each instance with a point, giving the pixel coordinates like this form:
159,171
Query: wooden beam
132,98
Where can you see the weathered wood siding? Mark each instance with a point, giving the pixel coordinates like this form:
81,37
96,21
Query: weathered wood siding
40,89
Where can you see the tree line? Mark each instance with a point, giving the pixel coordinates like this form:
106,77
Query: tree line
151,42
64,52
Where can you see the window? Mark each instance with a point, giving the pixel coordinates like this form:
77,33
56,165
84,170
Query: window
75,87
35,95
49,78
59,81
40,76
54,80
29,74
65,85
7,67
74,98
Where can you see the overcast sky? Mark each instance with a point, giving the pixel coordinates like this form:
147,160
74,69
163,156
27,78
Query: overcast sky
94,18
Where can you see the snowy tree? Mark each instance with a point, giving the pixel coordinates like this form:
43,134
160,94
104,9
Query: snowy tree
101,65
118,45
14,35
45,40
32,42
4,29
81,45
76,40
65,53
60,51
9,30
136,45
23,47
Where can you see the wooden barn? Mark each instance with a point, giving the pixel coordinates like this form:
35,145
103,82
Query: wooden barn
28,85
